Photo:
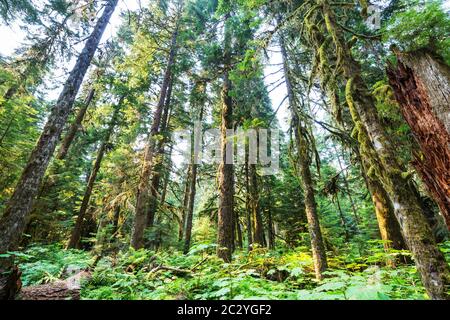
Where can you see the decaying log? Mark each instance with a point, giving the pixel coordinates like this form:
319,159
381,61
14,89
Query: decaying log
423,98
68,289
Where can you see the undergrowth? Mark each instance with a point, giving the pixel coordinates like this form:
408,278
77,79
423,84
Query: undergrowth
260,274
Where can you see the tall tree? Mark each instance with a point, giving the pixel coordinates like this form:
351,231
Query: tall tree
198,98
304,162
143,193
225,236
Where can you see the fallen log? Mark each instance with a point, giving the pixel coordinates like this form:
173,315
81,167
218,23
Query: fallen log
68,289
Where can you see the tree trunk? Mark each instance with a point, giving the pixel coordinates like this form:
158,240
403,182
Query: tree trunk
185,204
239,240
143,193
248,210
343,222
16,214
166,176
270,233
74,127
428,258
347,186
258,235
192,185
317,244
424,98
225,239
75,237
190,208
6,130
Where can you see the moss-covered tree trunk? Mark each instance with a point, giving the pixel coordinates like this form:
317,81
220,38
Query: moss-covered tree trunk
387,222
16,214
429,260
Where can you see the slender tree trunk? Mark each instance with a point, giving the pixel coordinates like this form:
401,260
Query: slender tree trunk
270,231
6,130
248,210
16,214
258,236
418,235
190,208
423,94
166,176
184,212
75,237
317,244
343,222
74,127
193,183
347,186
143,193
239,239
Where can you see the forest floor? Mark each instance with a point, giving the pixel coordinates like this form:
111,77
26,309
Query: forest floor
48,273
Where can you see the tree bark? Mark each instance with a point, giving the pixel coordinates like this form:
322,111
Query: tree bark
16,214
75,237
423,94
143,193
432,75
